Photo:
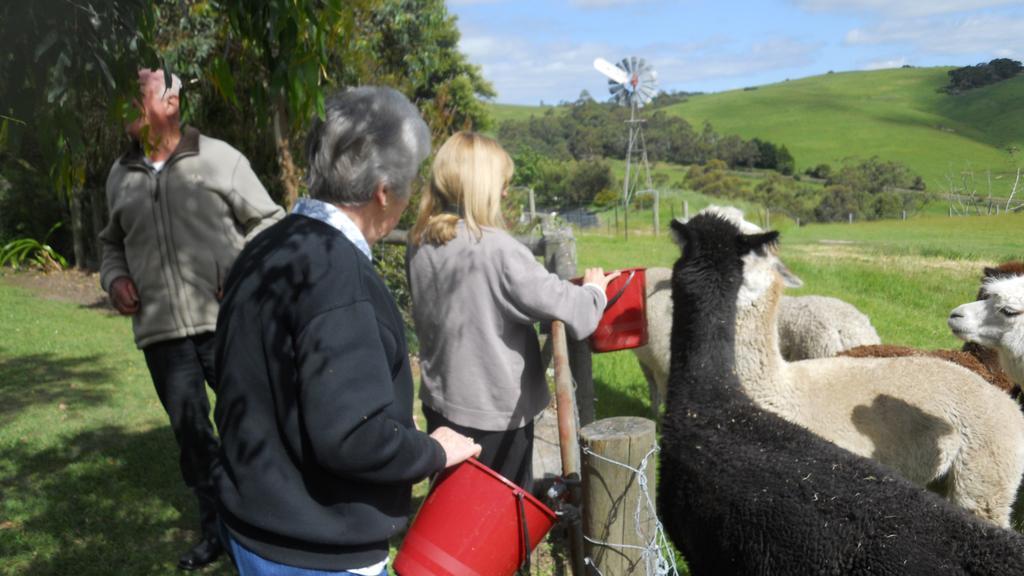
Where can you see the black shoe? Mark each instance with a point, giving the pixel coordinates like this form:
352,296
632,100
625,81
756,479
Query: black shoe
205,552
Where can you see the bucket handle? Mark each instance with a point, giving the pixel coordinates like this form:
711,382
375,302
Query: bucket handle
614,299
520,496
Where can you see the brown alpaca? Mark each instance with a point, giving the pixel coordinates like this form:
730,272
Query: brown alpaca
990,372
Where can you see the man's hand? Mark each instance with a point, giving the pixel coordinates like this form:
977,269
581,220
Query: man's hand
457,447
124,296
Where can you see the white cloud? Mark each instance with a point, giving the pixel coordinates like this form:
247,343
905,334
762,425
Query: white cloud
902,7
970,35
884,64
525,71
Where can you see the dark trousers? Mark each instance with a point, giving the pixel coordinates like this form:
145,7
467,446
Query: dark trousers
507,452
179,367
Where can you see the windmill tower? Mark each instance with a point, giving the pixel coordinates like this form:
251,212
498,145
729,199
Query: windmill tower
633,82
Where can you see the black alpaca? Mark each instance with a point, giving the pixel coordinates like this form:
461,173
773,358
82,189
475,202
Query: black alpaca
742,491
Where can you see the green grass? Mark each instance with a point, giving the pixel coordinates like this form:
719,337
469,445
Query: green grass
894,114
991,238
88,465
905,275
502,112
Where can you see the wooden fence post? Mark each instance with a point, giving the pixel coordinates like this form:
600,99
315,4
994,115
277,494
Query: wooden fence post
611,494
560,258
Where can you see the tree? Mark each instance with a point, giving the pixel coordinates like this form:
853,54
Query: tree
713,179
283,51
587,179
969,77
413,46
821,171
784,161
68,70
839,202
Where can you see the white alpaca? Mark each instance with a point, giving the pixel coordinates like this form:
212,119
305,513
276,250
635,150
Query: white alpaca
809,326
996,322
936,423
821,327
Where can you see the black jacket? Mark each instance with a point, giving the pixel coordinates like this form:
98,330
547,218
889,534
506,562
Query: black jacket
314,404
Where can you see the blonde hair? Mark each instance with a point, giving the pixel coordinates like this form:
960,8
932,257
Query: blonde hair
468,176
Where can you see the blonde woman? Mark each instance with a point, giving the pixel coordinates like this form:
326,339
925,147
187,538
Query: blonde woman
477,293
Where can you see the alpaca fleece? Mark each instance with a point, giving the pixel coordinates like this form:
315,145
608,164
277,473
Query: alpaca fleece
742,491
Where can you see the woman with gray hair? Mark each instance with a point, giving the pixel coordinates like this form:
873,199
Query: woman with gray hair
319,451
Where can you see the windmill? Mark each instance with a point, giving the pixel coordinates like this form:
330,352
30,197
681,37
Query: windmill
633,82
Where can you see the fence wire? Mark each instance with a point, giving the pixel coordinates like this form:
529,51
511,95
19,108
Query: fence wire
658,556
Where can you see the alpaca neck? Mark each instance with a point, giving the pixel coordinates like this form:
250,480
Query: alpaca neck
1012,363
759,363
703,346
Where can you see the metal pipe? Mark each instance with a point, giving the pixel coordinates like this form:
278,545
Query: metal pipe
568,441
565,398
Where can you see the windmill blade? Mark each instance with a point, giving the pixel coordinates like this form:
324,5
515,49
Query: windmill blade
631,82
613,72
647,82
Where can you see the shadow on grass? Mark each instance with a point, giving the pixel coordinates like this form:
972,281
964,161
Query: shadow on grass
47,378
106,501
612,401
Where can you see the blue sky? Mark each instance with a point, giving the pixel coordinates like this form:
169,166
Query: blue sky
535,51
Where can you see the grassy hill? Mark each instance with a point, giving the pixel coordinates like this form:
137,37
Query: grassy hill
895,114
503,112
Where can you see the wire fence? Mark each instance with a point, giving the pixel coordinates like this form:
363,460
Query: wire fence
659,557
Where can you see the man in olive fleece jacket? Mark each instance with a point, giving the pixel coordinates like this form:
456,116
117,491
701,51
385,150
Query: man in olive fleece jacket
182,206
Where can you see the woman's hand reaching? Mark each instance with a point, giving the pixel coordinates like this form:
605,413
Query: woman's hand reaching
597,277
457,447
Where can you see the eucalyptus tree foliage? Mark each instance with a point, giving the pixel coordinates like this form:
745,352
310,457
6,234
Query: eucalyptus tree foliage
413,46
279,58
67,76
67,67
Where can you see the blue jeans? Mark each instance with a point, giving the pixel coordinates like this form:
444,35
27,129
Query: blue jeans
249,564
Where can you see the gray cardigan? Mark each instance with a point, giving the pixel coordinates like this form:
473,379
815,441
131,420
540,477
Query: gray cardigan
474,306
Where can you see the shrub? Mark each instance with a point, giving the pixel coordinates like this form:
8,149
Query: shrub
35,253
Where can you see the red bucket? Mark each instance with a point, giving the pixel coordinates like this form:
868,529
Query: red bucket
624,324
474,522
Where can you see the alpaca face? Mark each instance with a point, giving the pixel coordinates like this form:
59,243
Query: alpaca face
715,254
996,322
761,265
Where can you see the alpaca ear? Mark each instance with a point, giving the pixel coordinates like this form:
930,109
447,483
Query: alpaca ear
789,280
747,243
679,232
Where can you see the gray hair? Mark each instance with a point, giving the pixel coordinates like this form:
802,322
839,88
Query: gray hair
369,136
